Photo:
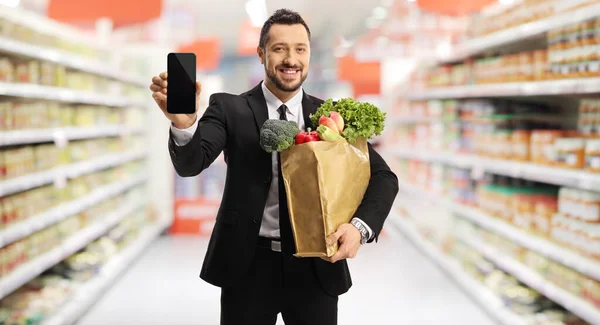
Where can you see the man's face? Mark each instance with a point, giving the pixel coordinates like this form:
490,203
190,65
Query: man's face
287,56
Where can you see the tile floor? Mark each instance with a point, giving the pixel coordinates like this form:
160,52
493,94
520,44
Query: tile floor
393,284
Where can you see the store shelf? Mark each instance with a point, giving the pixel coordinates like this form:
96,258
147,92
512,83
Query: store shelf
550,175
478,292
34,91
32,269
91,291
66,59
61,173
65,210
542,246
522,33
511,89
576,305
414,120
28,136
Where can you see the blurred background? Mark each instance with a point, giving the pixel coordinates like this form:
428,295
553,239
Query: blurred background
493,128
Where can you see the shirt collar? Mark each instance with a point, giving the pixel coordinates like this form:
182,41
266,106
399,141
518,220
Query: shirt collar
291,104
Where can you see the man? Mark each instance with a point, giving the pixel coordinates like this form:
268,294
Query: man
250,254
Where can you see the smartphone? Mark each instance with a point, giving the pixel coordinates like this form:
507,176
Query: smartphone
181,83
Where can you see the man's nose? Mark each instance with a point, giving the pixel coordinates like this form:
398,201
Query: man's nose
290,58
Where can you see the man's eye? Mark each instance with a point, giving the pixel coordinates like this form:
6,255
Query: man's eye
277,49
301,49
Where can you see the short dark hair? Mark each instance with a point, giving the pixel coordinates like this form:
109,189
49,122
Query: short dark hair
284,17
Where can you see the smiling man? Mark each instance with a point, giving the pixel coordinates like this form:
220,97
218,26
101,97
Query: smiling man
250,254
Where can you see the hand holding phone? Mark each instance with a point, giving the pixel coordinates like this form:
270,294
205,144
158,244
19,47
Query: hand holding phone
176,92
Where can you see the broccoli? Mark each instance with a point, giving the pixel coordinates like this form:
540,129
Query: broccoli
278,135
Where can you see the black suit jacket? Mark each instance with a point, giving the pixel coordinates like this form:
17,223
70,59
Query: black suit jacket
231,124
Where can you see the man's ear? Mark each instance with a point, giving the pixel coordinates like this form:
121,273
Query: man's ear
261,54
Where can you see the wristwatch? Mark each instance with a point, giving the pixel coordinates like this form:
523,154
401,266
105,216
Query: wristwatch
364,233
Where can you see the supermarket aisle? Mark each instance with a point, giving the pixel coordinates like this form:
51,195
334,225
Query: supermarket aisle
393,284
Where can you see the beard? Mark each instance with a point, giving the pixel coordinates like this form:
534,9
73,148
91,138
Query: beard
281,85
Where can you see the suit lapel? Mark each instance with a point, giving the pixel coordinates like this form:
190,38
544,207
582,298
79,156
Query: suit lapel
308,107
258,104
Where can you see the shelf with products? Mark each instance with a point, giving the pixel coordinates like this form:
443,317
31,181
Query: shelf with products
557,144
69,288
531,19
543,219
27,258
29,136
31,166
38,121
27,34
27,212
512,89
563,63
567,287
68,60
90,292
483,296
491,288
26,90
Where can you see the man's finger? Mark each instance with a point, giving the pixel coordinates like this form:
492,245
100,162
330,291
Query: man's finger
333,238
163,75
159,98
156,88
157,80
339,255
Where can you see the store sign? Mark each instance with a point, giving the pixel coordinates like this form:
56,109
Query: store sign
194,216
120,12
207,50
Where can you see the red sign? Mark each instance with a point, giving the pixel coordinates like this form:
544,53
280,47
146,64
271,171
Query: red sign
121,12
207,50
194,216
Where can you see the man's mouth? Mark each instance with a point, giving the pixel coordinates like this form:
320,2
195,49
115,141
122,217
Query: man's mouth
289,72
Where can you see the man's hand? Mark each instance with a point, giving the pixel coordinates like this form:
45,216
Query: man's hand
349,238
159,93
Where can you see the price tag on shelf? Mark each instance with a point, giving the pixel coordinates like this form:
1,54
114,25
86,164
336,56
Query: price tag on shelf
60,179
477,172
60,138
125,132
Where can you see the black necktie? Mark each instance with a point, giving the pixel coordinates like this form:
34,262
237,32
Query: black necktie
287,237
282,112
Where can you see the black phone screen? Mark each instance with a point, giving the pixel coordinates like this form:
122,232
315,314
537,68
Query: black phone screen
181,83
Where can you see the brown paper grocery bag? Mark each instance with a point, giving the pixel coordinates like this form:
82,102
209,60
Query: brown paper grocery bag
325,183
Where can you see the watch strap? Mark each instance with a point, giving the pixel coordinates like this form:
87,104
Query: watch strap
364,233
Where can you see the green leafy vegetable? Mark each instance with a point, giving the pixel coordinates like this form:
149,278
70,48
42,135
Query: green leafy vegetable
362,120
278,135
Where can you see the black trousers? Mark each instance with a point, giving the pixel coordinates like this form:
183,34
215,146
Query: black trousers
277,284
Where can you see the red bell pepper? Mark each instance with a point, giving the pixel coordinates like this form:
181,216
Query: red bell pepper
308,136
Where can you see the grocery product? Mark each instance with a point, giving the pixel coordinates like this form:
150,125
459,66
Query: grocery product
592,156
570,153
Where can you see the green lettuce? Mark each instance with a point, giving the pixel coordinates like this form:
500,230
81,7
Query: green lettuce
361,119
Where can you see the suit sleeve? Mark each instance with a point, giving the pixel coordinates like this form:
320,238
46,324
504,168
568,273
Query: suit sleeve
206,145
380,195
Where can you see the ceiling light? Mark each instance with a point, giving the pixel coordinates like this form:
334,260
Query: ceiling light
506,2
379,13
10,3
411,0
257,11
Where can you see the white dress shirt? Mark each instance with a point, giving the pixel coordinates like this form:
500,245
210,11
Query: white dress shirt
270,222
